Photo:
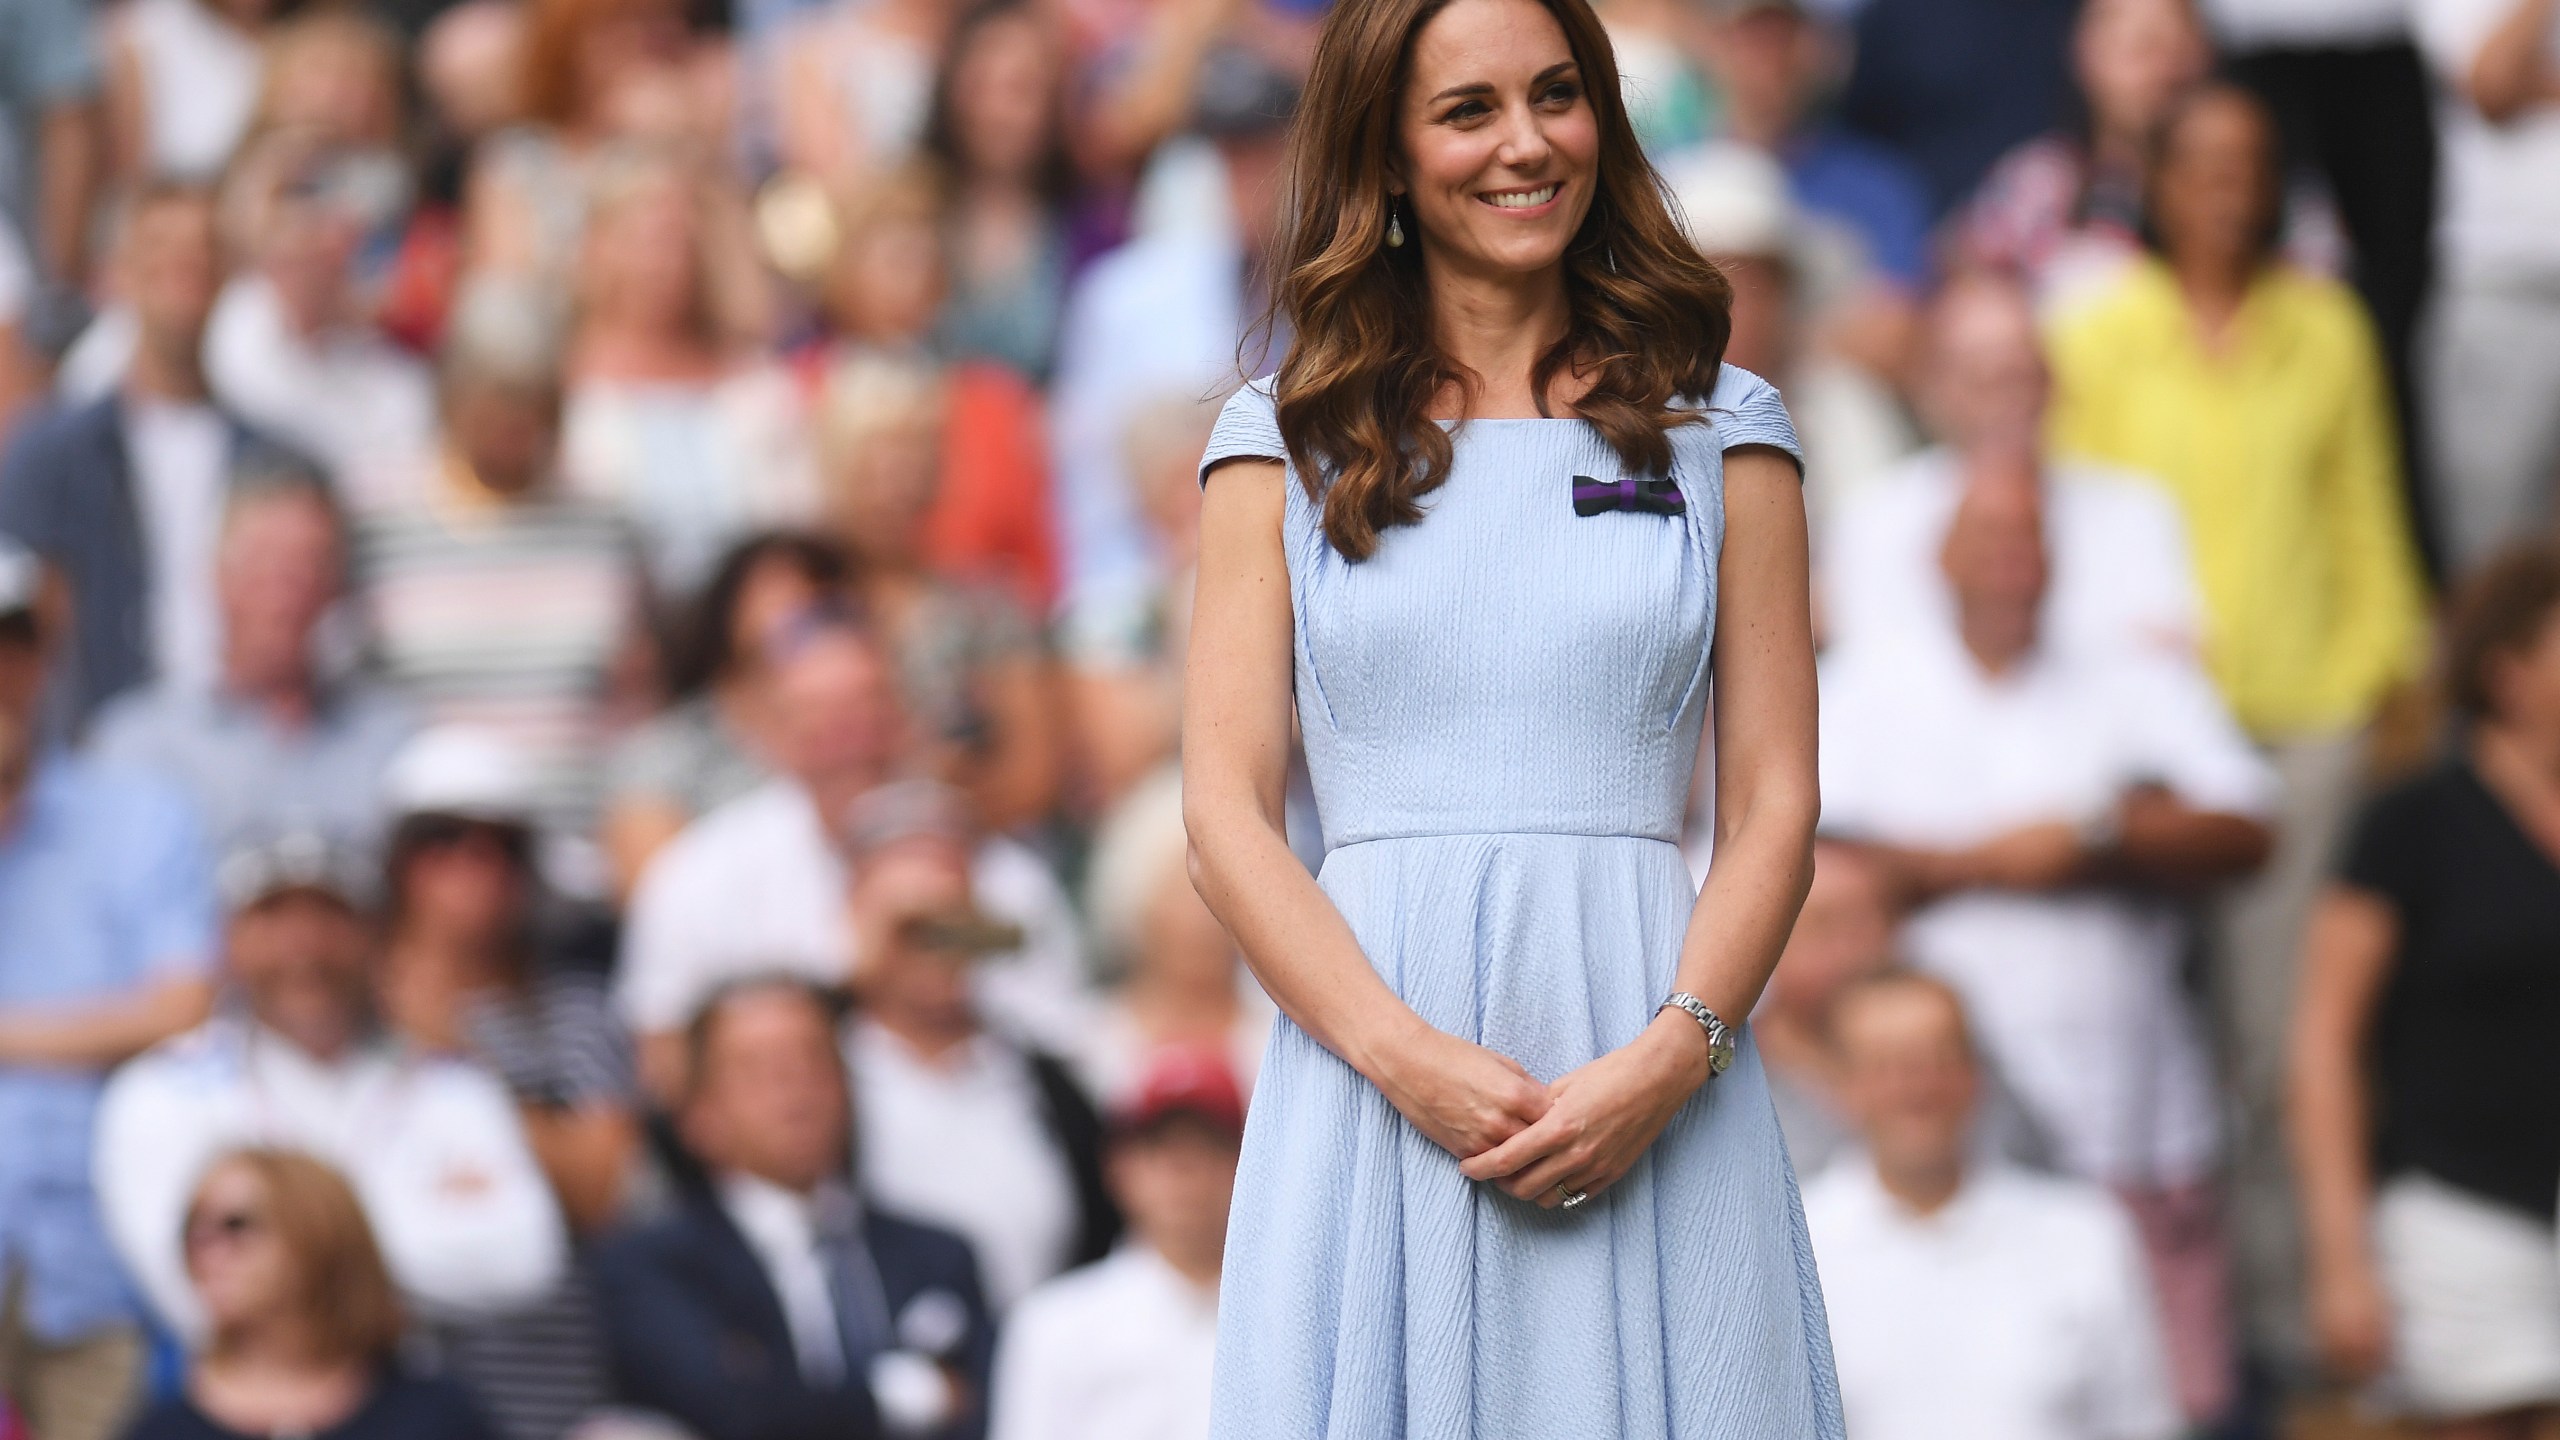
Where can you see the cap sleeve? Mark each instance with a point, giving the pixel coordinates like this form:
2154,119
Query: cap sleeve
1746,410
1248,428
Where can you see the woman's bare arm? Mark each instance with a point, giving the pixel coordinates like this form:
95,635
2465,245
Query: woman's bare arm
1606,1114
2346,959
1235,757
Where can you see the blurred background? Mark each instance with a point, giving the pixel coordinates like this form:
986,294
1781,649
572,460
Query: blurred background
592,596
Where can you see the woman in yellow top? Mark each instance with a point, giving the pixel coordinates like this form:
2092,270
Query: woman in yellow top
2256,394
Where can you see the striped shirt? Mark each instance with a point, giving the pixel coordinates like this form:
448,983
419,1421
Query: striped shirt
509,617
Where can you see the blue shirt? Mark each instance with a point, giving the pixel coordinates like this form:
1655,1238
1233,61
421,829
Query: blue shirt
1953,85
1871,190
252,778
104,887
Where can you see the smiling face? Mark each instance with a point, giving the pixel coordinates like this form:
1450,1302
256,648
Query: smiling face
1497,140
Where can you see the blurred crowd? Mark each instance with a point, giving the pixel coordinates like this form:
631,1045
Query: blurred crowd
592,598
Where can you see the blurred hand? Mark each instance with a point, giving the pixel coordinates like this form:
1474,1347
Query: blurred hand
1464,1098
2350,1318
1601,1118
2045,856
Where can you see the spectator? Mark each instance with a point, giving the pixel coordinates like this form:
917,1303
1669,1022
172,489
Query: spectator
1121,1349
884,291
997,131
973,672
499,601
2121,572
302,1325
2256,394
2430,1152
1124,647
959,1126
334,79
1969,1299
465,971
2493,359
290,345
50,149
105,928
774,1304
853,88
431,1144
2064,210
1181,982
182,83
718,741
759,883
1845,931
277,743
1952,85
1166,312
669,417
2351,98
123,495
2036,802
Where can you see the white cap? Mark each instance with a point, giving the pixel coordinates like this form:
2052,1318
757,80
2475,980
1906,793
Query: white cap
457,770
1735,200
21,577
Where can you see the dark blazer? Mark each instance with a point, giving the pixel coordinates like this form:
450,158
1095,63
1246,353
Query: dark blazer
697,1332
66,492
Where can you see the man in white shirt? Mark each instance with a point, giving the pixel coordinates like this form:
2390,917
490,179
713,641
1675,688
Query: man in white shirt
433,1146
2041,806
958,1125
774,1303
1969,1302
1121,1350
2121,572
2492,357
759,884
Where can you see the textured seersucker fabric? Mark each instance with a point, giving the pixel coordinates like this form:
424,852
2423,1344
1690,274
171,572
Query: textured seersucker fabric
1501,710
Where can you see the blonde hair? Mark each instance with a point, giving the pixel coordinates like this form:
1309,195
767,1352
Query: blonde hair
347,1300
870,394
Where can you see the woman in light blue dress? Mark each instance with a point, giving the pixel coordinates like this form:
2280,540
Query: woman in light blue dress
1498,538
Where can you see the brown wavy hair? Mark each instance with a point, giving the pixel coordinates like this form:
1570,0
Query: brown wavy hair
1650,315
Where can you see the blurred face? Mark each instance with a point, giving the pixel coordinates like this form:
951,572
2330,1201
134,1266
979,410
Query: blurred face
1499,143
882,488
339,86
776,593
17,765
1003,90
2214,194
299,959
623,45
1180,939
905,977
769,1096
1995,562
887,283
2133,57
1769,61
2525,685
242,1271
1763,313
276,575
505,433
643,261
1175,1184
1986,386
468,877
836,708
310,248
22,656
1907,1076
169,269
471,65
1844,931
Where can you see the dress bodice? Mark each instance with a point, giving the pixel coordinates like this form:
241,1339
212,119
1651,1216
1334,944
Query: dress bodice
1506,664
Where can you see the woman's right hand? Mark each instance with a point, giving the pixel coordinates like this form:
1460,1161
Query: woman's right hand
2350,1318
1464,1098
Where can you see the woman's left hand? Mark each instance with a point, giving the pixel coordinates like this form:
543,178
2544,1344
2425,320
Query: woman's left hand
1601,1118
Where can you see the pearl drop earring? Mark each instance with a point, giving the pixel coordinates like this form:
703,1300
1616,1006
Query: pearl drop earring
1395,226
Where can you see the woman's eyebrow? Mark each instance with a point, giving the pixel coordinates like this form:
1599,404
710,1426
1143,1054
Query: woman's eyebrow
1485,87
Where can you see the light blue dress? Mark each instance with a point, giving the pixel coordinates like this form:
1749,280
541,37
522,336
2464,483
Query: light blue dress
1501,710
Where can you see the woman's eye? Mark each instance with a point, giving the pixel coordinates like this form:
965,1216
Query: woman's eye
1563,92
1465,110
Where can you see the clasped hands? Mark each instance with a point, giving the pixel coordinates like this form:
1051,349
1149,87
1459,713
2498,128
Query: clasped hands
1539,1141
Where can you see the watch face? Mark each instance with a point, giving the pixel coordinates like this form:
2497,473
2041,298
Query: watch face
1720,1054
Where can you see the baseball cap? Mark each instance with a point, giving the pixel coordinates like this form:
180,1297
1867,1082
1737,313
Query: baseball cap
1192,1082
269,865
466,772
1734,201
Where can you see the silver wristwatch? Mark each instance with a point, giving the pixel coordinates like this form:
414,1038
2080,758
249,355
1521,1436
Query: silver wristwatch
1719,1034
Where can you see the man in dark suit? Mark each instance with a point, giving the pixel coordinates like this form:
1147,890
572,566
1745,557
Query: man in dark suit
775,1305
123,497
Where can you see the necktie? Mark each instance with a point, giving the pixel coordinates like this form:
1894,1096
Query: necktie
853,1283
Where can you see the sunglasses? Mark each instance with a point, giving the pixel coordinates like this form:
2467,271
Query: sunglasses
453,832
228,1227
